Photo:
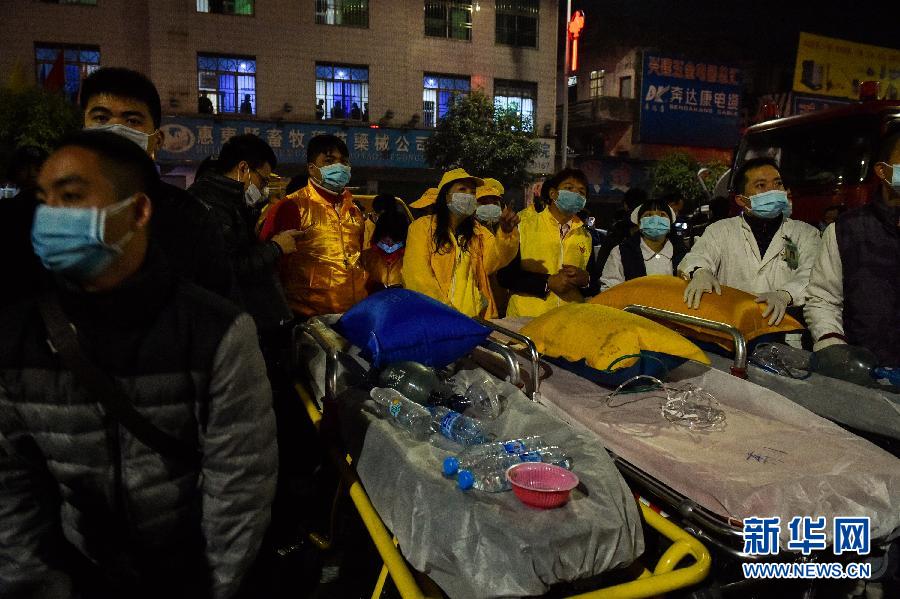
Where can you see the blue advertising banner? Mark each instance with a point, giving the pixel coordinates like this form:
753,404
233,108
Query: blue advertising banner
689,103
193,139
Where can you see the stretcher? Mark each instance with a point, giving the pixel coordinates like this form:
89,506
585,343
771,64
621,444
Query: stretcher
597,540
871,412
773,458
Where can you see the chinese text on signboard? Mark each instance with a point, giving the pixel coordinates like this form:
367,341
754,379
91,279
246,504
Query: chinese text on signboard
689,103
193,139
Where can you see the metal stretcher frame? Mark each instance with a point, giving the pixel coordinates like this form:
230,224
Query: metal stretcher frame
664,578
739,368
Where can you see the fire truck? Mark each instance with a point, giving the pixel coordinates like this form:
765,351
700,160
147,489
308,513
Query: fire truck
825,157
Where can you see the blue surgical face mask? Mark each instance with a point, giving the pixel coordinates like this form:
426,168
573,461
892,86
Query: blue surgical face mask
655,227
488,214
769,204
463,204
335,176
70,241
569,201
789,210
389,249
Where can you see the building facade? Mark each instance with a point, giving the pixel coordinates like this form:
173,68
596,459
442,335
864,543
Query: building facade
342,63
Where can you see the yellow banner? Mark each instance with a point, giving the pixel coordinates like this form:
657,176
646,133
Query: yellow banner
828,66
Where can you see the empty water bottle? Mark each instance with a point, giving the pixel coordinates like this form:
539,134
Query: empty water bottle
483,399
456,427
489,474
529,449
402,412
415,381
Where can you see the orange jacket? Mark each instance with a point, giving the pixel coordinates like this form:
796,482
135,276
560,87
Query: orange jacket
324,275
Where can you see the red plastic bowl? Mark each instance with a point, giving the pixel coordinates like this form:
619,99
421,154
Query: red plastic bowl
541,485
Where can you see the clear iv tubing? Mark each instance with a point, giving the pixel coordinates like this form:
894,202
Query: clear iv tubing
691,407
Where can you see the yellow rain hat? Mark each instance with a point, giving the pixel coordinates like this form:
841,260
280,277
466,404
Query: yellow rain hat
491,187
429,196
457,174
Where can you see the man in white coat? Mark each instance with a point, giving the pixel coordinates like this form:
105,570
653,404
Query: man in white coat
854,289
761,251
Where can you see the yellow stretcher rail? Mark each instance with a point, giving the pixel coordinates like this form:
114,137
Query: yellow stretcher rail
665,577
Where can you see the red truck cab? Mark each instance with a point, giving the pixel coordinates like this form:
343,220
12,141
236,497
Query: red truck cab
825,157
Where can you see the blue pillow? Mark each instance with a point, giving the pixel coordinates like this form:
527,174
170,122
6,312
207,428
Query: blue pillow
398,324
651,363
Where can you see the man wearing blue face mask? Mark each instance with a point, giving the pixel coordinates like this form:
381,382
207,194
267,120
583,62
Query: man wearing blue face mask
761,251
854,289
325,275
556,254
126,103
91,503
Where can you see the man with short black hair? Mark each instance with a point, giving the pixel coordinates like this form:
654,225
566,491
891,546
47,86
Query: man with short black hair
91,503
325,274
761,251
854,289
235,188
126,103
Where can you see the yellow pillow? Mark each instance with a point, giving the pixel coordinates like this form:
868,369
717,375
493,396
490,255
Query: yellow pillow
600,335
734,307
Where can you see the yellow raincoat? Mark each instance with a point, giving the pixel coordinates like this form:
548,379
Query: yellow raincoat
543,251
324,275
457,278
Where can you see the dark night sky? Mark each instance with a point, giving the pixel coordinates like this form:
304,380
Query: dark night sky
739,30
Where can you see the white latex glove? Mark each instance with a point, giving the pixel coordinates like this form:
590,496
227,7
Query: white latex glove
819,345
776,305
702,281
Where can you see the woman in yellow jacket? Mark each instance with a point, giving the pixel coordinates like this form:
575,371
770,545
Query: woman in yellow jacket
449,255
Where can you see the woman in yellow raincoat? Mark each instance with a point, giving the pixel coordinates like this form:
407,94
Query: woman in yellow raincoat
449,255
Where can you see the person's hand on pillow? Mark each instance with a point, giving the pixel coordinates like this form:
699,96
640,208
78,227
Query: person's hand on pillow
776,305
702,281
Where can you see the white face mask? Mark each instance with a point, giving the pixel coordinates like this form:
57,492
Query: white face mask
138,137
488,214
463,204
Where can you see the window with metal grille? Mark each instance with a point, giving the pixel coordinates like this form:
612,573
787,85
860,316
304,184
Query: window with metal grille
520,96
439,93
72,63
451,19
228,81
227,7
349,13
343,91
597,83
517,22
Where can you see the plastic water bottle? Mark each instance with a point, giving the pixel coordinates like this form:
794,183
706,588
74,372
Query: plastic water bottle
415,381
402,412
489,473
483,399
456,427
476,453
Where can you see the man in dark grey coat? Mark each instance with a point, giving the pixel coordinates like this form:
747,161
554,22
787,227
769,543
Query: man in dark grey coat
84,504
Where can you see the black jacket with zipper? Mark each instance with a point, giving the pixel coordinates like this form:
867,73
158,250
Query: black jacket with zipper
253,262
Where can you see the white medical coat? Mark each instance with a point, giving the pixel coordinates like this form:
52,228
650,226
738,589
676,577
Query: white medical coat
729,250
